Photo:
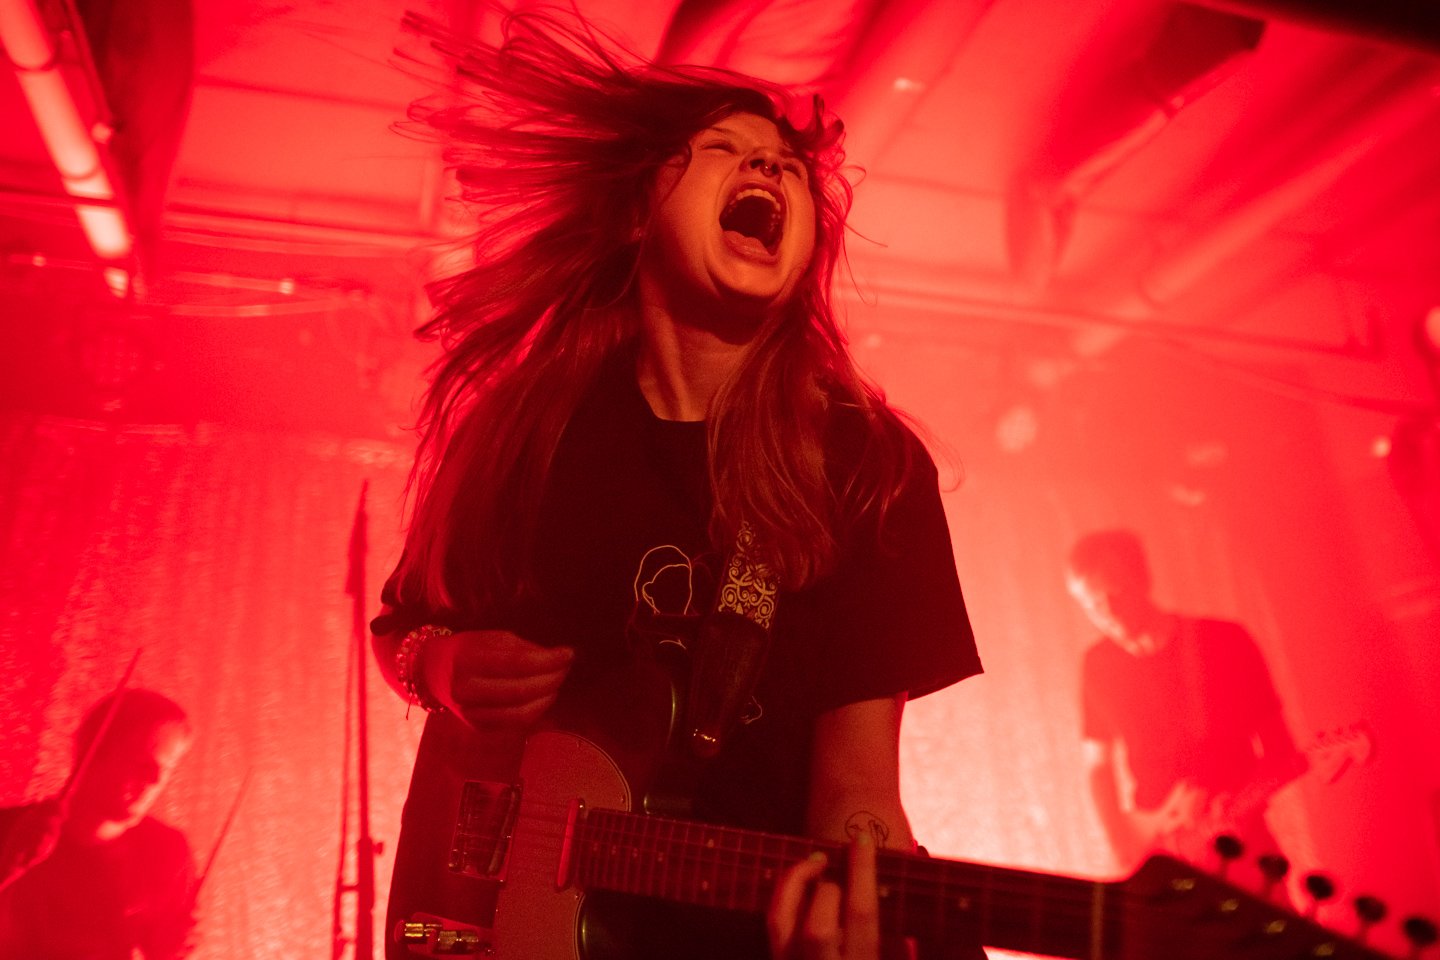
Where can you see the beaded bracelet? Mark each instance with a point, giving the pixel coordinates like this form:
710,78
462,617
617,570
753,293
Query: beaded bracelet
407,659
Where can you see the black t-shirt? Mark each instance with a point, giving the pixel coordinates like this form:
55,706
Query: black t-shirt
99,901
624,561
1189,711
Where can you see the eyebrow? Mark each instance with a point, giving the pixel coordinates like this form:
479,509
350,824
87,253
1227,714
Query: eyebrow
786,150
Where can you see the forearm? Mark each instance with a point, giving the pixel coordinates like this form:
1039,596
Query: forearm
855,789
843,816
1119,826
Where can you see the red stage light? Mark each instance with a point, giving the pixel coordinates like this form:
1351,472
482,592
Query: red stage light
67,136
106,230
1430,331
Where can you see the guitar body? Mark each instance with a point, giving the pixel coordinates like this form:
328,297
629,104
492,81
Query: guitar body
540,915
476,871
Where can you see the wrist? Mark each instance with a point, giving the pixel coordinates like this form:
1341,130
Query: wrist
410,662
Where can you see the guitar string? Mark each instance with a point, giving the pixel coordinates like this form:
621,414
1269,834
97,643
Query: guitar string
1074,896
1070,904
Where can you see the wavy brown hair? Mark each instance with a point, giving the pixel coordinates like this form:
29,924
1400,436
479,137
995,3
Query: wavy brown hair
557,139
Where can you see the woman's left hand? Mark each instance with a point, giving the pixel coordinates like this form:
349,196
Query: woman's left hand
813,918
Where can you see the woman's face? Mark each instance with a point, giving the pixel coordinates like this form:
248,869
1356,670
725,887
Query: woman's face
127,773
734,225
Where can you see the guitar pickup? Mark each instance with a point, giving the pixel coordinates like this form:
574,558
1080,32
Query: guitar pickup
484,826
426,935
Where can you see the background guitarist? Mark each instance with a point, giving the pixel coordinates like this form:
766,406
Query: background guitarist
643,380
1184,733
89,874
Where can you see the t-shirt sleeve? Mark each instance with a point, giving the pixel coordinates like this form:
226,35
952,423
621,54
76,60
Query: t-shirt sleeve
398,616
403,613
891,617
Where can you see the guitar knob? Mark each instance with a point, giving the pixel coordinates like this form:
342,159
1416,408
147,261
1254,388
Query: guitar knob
1320,888
1229,849
1370,911
1273,867
1420,931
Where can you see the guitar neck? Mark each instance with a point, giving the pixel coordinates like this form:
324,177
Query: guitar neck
736,869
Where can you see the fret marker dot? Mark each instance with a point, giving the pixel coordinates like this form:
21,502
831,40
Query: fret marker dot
882,891
963,903
1275,926
705,885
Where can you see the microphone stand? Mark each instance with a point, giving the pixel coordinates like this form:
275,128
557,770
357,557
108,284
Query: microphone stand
366,849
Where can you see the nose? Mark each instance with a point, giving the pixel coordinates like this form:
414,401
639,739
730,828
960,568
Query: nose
766,161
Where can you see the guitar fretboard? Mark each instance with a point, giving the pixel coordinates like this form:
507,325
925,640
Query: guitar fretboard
737,869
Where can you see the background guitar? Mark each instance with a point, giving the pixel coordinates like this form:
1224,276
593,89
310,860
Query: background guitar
1190,818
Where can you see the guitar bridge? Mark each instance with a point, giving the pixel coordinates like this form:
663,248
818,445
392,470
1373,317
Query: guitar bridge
483,829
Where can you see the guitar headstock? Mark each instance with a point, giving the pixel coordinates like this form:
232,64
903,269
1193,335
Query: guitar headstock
1177,911
1334,753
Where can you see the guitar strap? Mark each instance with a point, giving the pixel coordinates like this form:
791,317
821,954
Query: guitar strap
732,646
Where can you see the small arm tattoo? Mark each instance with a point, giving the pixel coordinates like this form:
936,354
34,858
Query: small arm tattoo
865,821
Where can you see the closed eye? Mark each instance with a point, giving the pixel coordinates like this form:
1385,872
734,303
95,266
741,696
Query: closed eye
724,145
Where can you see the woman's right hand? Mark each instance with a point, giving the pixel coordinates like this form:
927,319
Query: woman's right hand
494,680
32,839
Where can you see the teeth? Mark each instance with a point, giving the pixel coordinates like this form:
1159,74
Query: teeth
765,195
767,232
756,192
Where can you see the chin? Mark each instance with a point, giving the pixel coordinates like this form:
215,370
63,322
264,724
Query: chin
763,294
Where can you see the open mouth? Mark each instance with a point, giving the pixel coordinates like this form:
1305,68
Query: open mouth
756,213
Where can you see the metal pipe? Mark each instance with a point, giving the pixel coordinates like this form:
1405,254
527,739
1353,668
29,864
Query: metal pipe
1410,23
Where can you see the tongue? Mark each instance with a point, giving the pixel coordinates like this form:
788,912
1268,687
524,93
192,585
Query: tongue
750,246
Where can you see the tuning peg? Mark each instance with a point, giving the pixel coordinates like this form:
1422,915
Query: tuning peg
1273,867
1229,849
1369,911
1320,888
1420,931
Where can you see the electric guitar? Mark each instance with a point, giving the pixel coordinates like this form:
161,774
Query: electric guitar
1189,818
530,845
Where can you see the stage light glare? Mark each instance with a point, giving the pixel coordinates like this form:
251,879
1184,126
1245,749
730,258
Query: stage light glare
106,230
1017,428
1430,330
118,280
68,138
23,35
96,186
65,134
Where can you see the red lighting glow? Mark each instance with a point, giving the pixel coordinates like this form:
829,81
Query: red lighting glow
1121,273
66,135
106,229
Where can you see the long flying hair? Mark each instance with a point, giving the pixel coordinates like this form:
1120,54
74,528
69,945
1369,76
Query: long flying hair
557,140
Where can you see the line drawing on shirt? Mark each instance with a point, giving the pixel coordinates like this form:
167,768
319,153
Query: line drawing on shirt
655,581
